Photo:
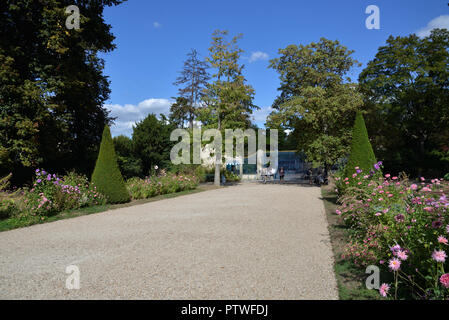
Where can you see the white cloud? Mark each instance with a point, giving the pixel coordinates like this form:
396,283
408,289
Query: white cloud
260,116
258,55
127,115
441,22
157,24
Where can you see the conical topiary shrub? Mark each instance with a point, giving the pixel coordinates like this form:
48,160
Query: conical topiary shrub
362,154
106,176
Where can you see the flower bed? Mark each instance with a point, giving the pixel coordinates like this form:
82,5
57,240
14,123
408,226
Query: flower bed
401,227
161,184
50,195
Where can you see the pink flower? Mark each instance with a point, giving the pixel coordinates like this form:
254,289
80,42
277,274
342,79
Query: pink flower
422,179
444,280
442,240
413,187
377,214
394,178
383,290
338,212
402,255
387,175
428,209
394,264
439,256
425,189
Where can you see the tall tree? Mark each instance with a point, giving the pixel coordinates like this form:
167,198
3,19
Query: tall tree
228,99
407,94
130,166
51,85
151,142
193,79
317,100
180,111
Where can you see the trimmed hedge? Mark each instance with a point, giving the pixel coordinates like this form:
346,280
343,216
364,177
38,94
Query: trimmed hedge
362,154
107,177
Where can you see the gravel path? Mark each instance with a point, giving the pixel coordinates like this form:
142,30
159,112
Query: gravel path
250,241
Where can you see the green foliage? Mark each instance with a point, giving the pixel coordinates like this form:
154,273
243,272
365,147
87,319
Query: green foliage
106,176
52,86
162,184
361,155
228,99
51,195
151,142
181,111
190,169
231,176
130,166
316,100
446,177
8,206
406,93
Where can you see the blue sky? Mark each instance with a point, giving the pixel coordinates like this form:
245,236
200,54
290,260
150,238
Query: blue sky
153,38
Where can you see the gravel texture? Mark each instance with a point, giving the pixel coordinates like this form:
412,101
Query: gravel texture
250,241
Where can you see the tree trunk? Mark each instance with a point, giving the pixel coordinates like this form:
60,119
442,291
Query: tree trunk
217,158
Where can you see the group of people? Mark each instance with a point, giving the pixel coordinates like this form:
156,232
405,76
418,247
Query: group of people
320,178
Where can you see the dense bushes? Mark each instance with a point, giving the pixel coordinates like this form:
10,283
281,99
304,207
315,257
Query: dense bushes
106,176
196,170
49,195
129,165
161,184
362,155
8,206
402,227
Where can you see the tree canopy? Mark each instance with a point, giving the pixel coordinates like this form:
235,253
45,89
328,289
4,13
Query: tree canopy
193,80
151,142
228,100
52,87
317,101
406,90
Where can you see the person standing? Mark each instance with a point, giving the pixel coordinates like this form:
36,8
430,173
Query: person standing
309,173
281,174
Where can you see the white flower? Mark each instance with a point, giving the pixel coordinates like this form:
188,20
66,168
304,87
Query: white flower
156,167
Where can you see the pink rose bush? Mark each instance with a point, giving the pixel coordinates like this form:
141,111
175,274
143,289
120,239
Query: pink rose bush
403,224
161,184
